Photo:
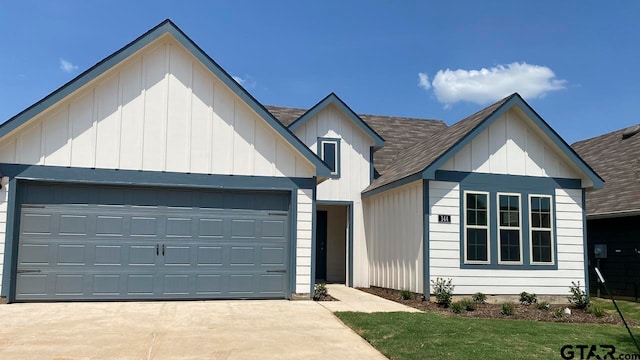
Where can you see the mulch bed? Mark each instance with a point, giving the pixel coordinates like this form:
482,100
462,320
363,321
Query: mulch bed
492,311
327,298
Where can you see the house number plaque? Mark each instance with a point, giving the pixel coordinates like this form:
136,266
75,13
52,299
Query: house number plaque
445,219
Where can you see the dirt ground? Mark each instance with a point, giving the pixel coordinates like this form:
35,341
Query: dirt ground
492,311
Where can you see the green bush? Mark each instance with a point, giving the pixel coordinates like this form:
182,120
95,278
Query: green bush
528,299
406,294
596,310
507,309
468,304
578,298
457,307
544,305
443,290
558,313
479,298
320,291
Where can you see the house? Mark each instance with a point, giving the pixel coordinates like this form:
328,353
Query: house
155,175
613,213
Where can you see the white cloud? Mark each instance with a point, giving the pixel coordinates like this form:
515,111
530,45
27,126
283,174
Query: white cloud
246,81
423,81
67,66
487,85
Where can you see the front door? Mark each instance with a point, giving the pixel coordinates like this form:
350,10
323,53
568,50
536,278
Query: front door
321,246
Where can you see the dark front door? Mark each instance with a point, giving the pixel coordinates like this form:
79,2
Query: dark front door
321,246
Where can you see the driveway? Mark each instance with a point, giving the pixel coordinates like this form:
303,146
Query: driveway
177,330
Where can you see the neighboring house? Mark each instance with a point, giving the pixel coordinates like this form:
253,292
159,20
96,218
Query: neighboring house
154,175
613,213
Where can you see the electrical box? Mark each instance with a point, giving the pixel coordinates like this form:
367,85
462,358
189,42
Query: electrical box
600,251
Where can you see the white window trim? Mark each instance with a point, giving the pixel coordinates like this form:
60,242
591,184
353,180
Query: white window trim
519,228
550,229
487,227
337,153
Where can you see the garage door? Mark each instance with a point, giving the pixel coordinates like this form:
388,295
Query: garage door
101,243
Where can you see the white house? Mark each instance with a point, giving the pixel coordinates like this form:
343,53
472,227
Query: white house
154,175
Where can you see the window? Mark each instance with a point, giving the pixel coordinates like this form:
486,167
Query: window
541,229
476,227
329,151
509,229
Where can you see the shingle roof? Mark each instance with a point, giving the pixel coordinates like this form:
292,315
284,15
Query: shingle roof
417,156
398,132
617,160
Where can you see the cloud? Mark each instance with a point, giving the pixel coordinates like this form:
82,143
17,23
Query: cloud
246,81
423,81
67,66
487,85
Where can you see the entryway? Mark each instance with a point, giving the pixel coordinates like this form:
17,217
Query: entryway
332,242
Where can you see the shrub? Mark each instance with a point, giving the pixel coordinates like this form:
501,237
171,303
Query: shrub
457,307
443,290
544,305
558,313
507,309
406,294
578,298
528,299
320,291
468,304
596,310
479,298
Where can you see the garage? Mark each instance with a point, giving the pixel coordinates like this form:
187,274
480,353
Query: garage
97,242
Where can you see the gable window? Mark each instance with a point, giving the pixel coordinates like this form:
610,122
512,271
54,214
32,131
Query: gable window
509,229
329,152
476,232
541,229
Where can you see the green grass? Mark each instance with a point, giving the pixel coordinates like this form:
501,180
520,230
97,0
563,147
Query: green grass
630,309
434,336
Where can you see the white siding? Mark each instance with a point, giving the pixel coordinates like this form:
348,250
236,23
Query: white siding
394,238
159,110
354,174
510,146
303,248
444,249
4,197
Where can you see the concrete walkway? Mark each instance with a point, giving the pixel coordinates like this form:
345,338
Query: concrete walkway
355,300
221,330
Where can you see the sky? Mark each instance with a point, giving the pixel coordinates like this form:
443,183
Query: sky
575,62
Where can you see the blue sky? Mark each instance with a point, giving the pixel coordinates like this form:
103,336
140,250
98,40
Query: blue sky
575,62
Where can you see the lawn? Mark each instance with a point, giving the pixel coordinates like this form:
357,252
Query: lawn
630,310
436,336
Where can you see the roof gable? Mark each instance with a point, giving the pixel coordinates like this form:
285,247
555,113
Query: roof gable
336,101
166,27
424,158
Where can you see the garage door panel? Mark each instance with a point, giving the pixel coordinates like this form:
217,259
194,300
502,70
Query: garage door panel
114,251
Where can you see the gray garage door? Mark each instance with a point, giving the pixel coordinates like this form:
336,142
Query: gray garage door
100,243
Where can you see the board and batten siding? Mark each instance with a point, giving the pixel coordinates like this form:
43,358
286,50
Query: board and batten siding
355,172
394,221
444,249
161,110
510,146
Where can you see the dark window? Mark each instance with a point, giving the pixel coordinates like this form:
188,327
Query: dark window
541,228
509,227
330,153
477,229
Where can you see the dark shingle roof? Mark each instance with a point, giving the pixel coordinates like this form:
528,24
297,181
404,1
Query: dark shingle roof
417,156
398,132
617,161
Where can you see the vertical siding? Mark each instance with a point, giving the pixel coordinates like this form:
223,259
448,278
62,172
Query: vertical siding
354,174
4,197
393,224
510,146
160,110
303,247
444,248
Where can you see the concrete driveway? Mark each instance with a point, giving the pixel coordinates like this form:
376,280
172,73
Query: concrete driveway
177,330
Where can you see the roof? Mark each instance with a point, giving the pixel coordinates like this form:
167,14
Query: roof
617,160
398,132
423,158
165,27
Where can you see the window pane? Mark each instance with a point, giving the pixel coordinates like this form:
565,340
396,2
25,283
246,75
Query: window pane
509,245
545,204
329,155
509,211
481,201
535,220
545,220
477,245
541,241
481,217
